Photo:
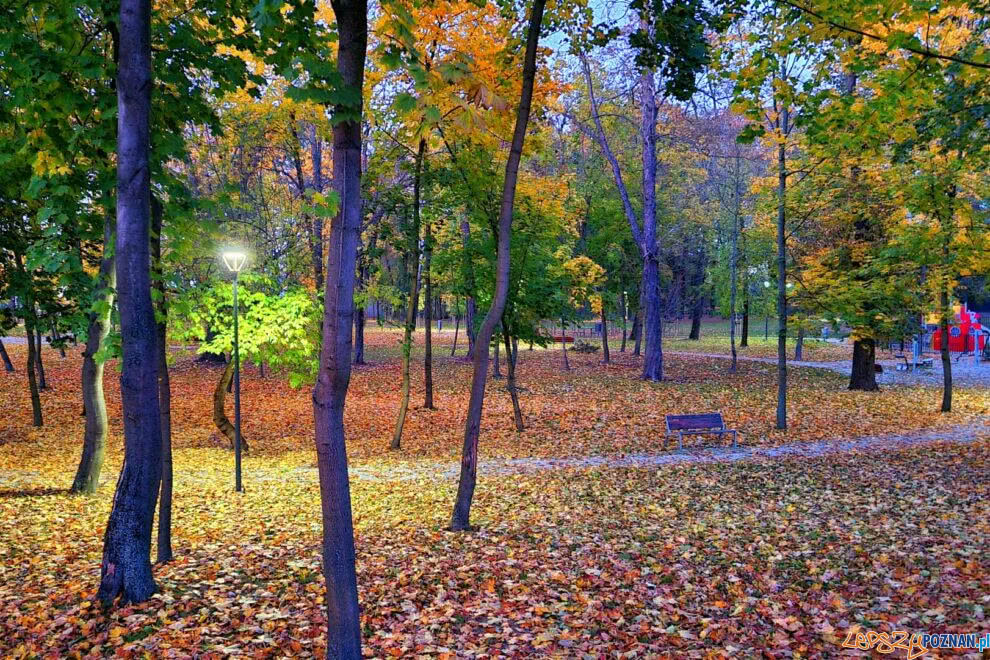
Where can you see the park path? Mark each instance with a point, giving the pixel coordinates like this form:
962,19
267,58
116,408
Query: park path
959,434
964,372
834,366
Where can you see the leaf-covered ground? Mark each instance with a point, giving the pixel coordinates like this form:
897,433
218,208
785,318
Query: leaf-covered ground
777,557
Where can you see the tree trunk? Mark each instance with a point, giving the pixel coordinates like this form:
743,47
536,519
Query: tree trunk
469,306
126,567
734,264
413,302
428,309
7,364
637,331
39,365
652,328
330,392
946,355
606,358
695,333
164,389
644,234
220,419
744,338
359,335
460,518
457,327
94,403
57,339
782,277
496,364
698,300
799,345
864,374
622,302
652,318
510,384
32,375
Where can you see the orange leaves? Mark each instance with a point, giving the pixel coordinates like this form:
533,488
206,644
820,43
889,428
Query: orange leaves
764,557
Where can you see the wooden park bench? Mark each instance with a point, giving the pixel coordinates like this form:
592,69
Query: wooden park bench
703,424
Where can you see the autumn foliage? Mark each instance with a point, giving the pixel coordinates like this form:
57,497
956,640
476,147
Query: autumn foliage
714,557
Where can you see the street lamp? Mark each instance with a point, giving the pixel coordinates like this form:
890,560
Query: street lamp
234,261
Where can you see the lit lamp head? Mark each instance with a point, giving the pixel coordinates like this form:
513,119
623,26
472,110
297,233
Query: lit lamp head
234,260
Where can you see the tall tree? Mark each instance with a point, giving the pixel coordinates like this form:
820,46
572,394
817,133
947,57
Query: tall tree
461,517
164,387
94,403
330,392
670,42
126,568
412,303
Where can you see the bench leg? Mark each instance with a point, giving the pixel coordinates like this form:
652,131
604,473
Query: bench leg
680,441
733,439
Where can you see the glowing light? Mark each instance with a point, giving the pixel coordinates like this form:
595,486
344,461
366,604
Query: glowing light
234,260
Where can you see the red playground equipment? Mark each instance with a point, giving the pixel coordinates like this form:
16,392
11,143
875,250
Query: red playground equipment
965,333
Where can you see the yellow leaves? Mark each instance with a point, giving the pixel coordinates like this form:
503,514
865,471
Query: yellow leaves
46,164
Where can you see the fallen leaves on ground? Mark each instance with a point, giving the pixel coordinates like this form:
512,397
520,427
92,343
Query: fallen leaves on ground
725,558
776,557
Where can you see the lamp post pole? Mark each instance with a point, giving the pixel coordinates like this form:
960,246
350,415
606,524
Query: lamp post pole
237,400
234,260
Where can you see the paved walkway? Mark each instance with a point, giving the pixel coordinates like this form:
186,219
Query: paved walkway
964,372
961,434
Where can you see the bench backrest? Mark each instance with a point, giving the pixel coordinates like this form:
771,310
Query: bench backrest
694,422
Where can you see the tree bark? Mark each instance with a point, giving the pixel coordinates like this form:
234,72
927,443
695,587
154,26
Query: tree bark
864,374
164,389
496,364
428,309
644,234
457,327
744,338
799,345
510,383
7,364
469,305
782,276
94,403
126,567
220,419
39,365
946,355
460,518
56,338
698,299
32,356
359,335
622,302
652,328
637,331
734,262
330,392
413,302
606,358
